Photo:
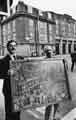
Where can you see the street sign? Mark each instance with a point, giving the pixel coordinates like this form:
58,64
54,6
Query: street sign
37,83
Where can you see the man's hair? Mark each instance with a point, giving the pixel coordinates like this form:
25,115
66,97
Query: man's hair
8,43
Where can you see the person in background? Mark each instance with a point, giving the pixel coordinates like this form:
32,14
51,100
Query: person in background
33,54
73,59
42,50
4,74
47,52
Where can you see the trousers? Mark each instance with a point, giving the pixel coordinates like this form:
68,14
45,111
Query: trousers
48,111
9,114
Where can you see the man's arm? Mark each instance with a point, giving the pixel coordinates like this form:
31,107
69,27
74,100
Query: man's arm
1,69
20,57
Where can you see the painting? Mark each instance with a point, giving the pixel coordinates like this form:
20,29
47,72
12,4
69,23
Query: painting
37,82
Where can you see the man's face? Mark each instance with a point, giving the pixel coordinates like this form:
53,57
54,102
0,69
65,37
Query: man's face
12,48
49,51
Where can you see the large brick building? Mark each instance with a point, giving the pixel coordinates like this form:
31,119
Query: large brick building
34,29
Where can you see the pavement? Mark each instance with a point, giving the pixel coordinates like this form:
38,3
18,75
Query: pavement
33,114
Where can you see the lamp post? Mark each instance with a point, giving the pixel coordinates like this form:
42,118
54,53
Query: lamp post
8,7
37,35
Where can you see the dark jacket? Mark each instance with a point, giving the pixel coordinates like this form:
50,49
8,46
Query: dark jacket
73,56
48,53
4,67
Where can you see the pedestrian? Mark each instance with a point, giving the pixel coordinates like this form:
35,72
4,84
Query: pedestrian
48,108
47,52
4,74
42,50
73,60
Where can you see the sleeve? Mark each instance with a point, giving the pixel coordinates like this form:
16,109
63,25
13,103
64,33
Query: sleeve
20,57
1,70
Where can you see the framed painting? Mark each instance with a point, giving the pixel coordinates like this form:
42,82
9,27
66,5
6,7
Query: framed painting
38,82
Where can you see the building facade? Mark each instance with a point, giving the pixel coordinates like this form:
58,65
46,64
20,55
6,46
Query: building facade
30,27
34,30
65,33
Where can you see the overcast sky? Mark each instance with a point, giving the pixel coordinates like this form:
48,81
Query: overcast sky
58,6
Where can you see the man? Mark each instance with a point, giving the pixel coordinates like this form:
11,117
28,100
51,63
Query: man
73,59
5,74
47,52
